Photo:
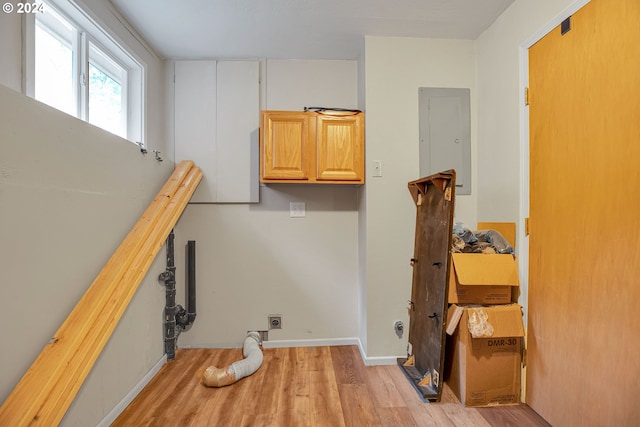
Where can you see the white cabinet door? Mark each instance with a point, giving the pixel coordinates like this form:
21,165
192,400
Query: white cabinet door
195,122
216,125
238,119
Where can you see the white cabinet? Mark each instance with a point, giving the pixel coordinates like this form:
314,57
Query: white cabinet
217,119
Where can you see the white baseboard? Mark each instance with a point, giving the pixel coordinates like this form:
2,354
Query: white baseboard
122,405
310,343
237,344
377,360
283,343
381,360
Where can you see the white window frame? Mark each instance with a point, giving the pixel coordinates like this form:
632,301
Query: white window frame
90,33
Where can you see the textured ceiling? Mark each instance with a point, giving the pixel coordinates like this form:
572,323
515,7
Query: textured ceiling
299,29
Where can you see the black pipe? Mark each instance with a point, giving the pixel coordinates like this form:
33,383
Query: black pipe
320,109
185,318
191,281
170,309
176,318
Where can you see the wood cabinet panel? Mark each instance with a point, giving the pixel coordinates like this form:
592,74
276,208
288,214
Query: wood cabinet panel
340,148
285,145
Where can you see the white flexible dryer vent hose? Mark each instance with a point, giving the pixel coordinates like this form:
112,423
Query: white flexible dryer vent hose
219,377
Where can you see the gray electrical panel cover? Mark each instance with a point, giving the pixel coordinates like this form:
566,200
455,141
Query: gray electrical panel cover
445,134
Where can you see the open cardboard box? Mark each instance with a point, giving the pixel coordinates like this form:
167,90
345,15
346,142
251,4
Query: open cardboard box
485,370
485,278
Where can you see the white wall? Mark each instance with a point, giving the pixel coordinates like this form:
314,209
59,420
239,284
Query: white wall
254,260
295,84
500,99
69,194
395,69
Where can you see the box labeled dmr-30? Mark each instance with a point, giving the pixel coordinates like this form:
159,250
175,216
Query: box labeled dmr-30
484,354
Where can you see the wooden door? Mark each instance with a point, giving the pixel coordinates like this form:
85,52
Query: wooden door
584,278
286,145
340,146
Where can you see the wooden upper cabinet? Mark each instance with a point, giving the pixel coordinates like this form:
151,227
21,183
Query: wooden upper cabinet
312,147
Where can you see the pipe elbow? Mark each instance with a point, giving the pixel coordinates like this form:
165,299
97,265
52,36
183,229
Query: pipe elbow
218,377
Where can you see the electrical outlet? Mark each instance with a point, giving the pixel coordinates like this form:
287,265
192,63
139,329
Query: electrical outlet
398,327
275,321
297,210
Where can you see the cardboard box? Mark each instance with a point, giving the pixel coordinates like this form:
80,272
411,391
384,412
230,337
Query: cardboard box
483,364
485,278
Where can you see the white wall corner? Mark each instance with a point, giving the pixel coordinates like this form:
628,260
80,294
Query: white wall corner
377,360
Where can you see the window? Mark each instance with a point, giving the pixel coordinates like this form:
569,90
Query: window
107,83
78,68
54,74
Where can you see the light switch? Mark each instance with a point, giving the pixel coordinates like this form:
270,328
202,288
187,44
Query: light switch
297,210
377,168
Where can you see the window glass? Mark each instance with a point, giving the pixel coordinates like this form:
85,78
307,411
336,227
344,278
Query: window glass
54,82
106,97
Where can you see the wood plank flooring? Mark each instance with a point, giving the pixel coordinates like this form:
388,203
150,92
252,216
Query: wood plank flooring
302,386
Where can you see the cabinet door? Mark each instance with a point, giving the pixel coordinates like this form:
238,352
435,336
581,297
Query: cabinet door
195,129
340,147
237,119
286,145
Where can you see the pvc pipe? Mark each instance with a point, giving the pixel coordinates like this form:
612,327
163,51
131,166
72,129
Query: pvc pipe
220,377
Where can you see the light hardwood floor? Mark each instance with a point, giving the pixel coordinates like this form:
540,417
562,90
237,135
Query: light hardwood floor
298,387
